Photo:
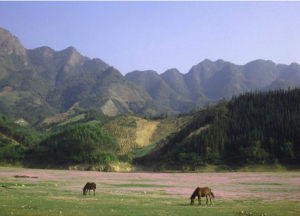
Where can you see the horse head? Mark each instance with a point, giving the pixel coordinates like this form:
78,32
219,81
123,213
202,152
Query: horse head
193,198
192,201
194,194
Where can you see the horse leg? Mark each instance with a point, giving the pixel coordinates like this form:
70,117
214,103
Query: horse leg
211,202
94,192
199,199
206,199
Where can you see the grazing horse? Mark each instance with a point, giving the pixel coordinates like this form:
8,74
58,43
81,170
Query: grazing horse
202,192
88,187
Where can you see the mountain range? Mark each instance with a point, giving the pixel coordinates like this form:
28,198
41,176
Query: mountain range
210,81
38,83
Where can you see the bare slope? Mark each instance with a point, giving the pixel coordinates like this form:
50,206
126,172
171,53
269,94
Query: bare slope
131,131
135,133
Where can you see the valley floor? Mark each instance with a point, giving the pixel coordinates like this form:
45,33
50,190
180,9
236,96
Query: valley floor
59,192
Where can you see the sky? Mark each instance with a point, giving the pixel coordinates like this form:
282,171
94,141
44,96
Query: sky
160,35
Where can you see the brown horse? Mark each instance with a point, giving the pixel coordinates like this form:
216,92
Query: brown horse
88,187
202,192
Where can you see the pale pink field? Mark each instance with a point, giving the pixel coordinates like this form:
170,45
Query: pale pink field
268,186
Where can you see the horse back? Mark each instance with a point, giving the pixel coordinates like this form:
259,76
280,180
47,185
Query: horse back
204,191
90,185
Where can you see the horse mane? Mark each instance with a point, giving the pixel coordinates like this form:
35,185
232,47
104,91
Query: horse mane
195,193
90,185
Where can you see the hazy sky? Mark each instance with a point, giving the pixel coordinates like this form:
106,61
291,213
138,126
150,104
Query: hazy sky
160,35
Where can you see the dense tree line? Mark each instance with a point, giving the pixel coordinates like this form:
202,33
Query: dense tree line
256,127
78,144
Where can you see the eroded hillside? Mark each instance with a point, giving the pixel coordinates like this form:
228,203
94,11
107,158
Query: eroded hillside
135,133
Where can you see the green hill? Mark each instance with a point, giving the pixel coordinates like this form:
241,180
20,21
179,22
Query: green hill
84,138
255,128
16,140
81,143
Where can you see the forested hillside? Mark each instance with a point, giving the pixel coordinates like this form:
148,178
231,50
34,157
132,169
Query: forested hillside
81,143
254,128
15,140
258,127
84,138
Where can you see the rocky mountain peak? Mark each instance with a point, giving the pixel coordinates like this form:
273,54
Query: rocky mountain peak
294,65
172,72
10,44
72,56
44,51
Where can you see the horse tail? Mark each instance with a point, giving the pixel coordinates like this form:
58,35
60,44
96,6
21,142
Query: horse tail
212,194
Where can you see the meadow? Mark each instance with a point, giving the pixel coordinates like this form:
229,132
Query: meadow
59,192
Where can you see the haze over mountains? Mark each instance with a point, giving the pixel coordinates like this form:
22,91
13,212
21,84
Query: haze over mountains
42,82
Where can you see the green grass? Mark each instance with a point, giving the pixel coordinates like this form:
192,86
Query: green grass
26,201
140,185
59,192
13,185
259,183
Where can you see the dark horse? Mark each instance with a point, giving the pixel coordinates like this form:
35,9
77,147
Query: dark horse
202,192
88,187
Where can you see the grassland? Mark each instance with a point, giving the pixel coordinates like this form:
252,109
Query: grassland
59,192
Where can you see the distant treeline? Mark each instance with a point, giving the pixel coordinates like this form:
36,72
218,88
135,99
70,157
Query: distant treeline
257,127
